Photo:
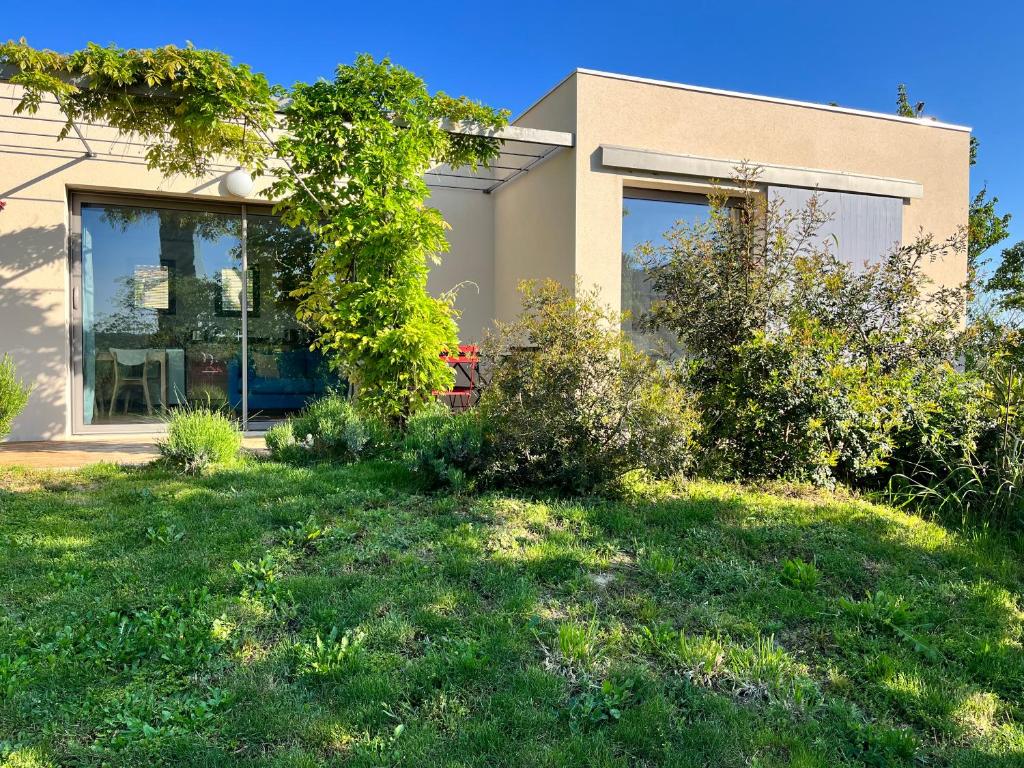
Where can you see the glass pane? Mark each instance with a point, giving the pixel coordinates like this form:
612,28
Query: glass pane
647,221
284,375
161,314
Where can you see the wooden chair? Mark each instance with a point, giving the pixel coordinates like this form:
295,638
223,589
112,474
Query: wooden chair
130,359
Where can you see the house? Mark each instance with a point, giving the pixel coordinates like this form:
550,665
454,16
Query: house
122,292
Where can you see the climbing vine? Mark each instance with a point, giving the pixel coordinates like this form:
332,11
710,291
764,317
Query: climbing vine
352,152
188,106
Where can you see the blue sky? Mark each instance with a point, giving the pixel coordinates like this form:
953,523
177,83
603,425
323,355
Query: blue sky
962,59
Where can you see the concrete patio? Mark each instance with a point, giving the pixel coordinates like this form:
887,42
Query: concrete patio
73,454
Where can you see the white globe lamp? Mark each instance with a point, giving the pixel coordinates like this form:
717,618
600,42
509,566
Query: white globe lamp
239,183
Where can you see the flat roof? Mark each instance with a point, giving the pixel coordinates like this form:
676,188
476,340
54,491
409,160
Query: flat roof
923,121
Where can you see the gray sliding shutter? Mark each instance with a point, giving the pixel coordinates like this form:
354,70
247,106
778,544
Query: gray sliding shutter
865,227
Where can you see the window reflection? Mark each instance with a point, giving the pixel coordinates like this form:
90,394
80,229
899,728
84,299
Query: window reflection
284,374
647,220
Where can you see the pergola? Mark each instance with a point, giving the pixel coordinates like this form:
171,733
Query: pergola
522,149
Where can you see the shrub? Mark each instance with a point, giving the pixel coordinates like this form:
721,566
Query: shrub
722,279
795,406
571,405
198,438
803,364
757,266
800,404
13,395
962,455
331,428
281,443
444,449
945,421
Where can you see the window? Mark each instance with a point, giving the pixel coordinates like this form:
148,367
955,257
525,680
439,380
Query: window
862,228
229,298
646,216
159,319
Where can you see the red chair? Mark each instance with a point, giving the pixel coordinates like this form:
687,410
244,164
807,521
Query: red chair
467,376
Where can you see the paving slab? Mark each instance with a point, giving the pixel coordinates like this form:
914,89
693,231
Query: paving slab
77,453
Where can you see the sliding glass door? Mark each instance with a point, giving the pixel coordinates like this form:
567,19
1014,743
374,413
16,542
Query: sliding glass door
283,374
177,305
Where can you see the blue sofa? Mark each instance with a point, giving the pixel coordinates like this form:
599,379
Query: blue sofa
302,376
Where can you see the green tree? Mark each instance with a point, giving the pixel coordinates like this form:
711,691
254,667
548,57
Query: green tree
985,226
352,152
903,106
358,147
1008,280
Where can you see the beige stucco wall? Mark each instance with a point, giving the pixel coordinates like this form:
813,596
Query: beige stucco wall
682,121
33,318
468,268
535,214
37,176
37,173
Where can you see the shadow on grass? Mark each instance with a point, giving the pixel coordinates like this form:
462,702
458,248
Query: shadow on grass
954,667
455,608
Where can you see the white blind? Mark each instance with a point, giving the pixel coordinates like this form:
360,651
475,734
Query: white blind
865,227
231,289
152,287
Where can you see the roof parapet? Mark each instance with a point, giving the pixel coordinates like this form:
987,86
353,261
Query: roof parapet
927,122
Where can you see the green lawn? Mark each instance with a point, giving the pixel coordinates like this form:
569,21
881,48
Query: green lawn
367,624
